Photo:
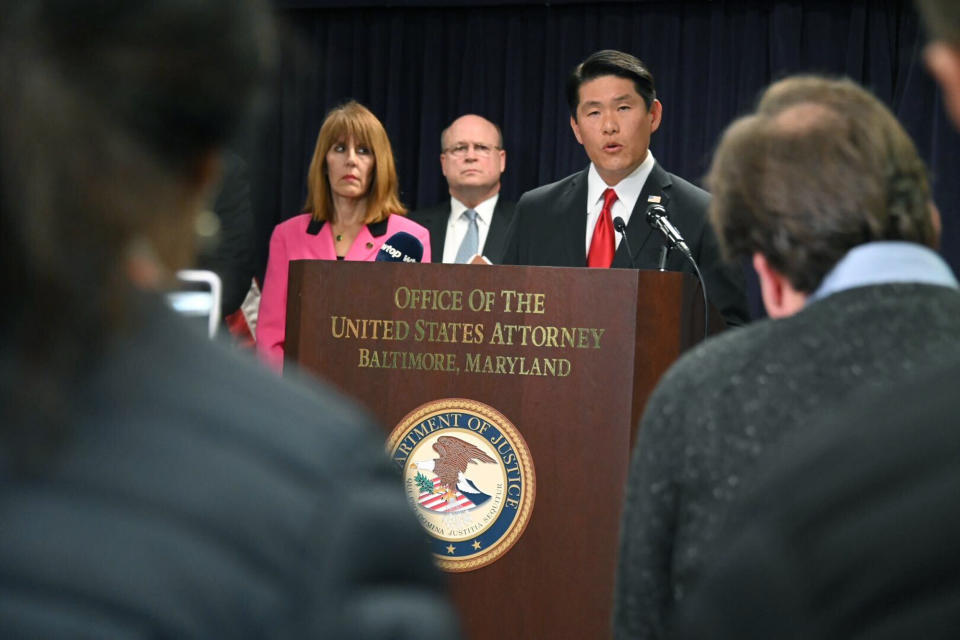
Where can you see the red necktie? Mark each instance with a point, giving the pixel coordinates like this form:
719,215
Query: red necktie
602,245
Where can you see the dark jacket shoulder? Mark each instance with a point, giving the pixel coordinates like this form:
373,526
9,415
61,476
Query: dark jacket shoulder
427,215
535,198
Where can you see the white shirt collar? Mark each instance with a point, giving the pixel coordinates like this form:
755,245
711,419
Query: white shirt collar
457,226
628,189
484,209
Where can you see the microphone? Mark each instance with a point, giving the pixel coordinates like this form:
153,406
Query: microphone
621,227
400,247
657,218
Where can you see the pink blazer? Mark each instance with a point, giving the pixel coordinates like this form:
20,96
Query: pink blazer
302,238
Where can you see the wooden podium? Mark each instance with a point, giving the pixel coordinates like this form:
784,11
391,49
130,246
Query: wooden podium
593,344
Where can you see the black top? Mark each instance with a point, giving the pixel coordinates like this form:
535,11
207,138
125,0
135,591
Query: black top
853,529
202,496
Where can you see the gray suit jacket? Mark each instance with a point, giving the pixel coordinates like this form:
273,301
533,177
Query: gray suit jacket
727,403
435,220
550,223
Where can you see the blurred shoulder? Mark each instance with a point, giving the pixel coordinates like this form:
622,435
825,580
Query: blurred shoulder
294,418
718,361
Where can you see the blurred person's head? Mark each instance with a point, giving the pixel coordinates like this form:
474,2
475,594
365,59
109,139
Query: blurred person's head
820,168
353,159
472,159
942,18
111,116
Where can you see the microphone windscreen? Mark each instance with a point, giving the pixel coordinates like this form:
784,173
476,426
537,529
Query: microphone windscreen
401,247
619,225
655,211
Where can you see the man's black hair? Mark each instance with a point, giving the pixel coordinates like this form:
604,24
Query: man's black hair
610,63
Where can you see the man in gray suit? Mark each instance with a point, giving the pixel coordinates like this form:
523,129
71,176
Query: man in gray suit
824,191
864,547
475,220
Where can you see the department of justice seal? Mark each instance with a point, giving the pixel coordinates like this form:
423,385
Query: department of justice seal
469,475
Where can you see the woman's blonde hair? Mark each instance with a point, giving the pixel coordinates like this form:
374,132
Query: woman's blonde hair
354,121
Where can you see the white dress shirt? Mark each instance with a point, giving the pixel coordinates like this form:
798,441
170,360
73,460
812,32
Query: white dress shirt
457,226
628,190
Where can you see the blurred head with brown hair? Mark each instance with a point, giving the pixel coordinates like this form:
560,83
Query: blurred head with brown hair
820,168
942,18
111,118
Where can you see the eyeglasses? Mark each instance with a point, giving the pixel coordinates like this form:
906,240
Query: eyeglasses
460,150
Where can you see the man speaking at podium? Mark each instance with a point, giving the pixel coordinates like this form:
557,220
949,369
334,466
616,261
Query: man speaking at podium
613,112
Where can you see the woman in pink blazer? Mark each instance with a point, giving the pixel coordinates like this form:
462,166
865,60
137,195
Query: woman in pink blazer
353,207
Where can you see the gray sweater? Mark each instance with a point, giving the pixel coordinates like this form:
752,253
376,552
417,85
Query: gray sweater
728,401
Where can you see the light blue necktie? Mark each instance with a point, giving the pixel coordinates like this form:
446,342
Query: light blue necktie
471,242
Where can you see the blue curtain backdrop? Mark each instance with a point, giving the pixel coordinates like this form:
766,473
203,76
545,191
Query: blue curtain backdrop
419,64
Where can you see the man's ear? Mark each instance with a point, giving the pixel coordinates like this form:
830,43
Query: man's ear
576,129
443,164
943,60
780,299
656,114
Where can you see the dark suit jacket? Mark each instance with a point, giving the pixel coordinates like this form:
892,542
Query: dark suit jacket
435,220
201,496
550,225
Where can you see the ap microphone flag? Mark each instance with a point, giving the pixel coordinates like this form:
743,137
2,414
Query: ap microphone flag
401,247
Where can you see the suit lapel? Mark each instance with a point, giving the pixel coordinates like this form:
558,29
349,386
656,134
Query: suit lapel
323,248
638,231
436,224
496,242
571,229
